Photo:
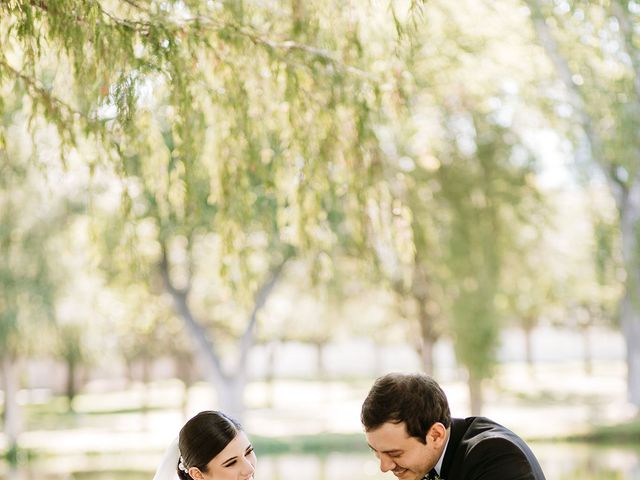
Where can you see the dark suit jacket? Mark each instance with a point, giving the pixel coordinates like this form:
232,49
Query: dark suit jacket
481,449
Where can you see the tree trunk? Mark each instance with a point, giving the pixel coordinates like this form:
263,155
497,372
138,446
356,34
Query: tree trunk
184,403
528,349
11,413
71,383
229,386
587,356
320,370
377,365
631,328
129,369
428,334
231,396
628,201
270,373
426,355
184,368
475,395
630,309
145,364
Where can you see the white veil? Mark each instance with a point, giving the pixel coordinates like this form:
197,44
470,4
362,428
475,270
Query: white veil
167,468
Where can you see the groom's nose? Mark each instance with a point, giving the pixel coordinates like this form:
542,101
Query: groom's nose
386,463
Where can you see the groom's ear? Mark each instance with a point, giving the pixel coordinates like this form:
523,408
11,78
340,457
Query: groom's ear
195,473
437,433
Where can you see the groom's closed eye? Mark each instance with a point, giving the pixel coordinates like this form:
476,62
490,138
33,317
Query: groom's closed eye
390,453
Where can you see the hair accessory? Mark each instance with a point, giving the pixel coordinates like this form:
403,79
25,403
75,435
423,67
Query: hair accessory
181,465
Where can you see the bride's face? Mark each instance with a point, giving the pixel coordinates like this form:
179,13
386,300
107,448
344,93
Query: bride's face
236,462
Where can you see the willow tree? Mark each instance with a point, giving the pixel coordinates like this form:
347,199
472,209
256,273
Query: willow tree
464,204
459,178
28,286
240,132
593,48
27,294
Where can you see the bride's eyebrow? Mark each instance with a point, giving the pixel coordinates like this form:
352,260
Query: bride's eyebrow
228,461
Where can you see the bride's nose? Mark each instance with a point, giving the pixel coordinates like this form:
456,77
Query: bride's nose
248,468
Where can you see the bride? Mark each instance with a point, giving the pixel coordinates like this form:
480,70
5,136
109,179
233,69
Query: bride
211,446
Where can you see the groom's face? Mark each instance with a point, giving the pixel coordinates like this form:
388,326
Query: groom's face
405,456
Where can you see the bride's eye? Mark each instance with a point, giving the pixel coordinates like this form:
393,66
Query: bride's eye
249,451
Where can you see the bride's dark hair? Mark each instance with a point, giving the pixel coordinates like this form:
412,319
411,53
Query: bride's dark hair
202,438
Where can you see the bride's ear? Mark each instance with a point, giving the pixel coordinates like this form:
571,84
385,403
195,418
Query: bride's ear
195,473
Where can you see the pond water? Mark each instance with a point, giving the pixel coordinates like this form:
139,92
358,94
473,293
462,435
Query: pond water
559,461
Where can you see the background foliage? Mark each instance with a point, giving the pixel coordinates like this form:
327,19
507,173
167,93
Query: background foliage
166,166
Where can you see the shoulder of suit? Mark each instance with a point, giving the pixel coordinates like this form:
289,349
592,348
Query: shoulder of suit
482,430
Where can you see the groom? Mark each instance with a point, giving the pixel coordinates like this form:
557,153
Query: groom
409,427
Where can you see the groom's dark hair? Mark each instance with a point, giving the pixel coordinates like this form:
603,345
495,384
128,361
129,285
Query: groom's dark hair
413,398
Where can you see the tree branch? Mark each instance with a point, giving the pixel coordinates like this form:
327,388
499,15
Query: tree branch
289,45
133,25
197,331
576,99
38,90
246,341
144,27
626,27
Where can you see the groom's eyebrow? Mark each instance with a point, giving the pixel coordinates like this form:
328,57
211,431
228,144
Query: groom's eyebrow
388,452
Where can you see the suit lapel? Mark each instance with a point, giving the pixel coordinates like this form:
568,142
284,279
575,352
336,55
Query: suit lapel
458,428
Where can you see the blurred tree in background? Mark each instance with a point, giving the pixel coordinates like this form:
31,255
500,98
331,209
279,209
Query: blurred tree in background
594,53
225,138
461,181
218,152
30,219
